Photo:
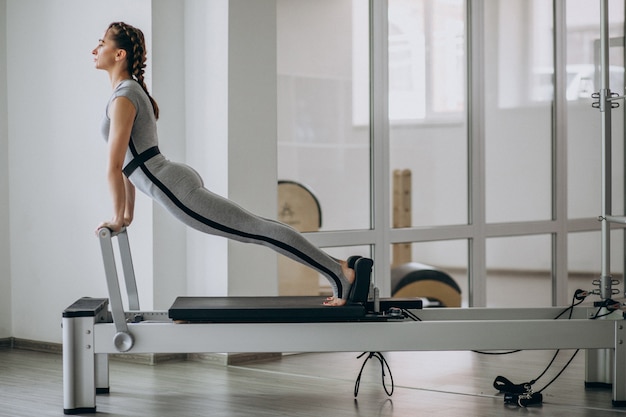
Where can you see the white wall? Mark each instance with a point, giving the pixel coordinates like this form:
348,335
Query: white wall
167,58
252,172
57,192
5,264
52,157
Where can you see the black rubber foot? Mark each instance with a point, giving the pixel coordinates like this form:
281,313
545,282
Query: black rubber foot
85,410
598,385
102,390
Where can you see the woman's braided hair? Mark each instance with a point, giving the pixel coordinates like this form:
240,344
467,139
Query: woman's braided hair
131,40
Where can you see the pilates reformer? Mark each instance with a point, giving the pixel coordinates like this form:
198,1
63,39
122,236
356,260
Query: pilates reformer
91,330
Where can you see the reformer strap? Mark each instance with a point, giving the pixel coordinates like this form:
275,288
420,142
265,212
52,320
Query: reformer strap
502,384
140,160
383,365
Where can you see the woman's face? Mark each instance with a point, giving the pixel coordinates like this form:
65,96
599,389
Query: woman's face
105,53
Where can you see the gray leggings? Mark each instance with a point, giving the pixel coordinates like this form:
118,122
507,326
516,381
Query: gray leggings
180,189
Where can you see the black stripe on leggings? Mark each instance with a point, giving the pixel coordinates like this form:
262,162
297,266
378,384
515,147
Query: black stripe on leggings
232,231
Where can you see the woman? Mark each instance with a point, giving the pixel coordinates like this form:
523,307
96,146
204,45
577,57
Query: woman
134,160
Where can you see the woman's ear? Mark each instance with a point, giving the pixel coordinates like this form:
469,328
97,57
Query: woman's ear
120,55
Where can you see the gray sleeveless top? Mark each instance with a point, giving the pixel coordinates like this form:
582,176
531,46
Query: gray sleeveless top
144,130
144,133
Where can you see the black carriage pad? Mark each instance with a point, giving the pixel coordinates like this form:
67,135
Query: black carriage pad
283,309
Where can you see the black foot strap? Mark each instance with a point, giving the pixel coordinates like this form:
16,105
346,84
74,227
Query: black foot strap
363,275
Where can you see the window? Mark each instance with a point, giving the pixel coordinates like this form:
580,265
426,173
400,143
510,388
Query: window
426,60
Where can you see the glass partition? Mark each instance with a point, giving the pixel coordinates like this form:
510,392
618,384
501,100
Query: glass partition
519,271
518,64
584,122
427,112
323,106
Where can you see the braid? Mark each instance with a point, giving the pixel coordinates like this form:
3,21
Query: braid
132,41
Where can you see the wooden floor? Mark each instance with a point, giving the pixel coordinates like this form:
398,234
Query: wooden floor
308,385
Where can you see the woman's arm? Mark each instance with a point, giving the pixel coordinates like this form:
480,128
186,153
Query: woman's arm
130,202
122,114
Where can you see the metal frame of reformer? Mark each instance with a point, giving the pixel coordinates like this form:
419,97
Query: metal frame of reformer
91,332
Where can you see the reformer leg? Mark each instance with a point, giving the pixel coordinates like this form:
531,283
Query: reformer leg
79,359
79,390
619,366
102,373
598,368
606,368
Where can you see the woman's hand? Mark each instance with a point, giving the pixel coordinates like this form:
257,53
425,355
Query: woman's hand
128,220
113,225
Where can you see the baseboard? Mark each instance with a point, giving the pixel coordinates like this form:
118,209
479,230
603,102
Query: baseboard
152,359
140,358
37,346
148,358
234,359
6,343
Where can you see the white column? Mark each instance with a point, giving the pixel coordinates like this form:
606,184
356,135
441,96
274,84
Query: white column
5,270
230,119
252,173
168,88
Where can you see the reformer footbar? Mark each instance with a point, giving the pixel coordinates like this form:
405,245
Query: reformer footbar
123,338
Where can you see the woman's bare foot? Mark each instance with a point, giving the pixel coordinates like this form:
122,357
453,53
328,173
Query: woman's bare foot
350,276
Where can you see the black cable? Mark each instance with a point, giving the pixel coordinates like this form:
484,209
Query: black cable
605,304
598,315
382,360
508,352
577,296
562,370
610,305
503,384
410,315
547,367
383,365
570,309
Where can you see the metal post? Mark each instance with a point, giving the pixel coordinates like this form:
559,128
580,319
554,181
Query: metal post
598,368
477,245
605,111
129,271
113,286
123,339
619,364
379,143
102,373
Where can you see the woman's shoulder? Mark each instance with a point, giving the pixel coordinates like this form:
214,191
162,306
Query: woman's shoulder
128,87
131,90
